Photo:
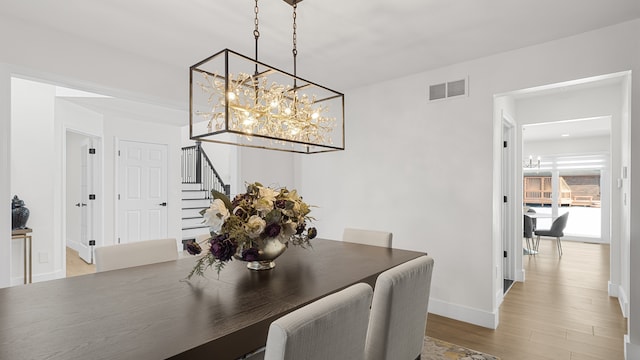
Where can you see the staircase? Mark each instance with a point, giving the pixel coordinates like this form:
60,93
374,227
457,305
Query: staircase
193,201
199,177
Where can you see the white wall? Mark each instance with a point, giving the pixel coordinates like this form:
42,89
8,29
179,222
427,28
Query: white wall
424,170
34,173
270,168
631,186
5,176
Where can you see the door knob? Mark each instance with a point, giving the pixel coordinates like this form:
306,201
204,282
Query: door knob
163,204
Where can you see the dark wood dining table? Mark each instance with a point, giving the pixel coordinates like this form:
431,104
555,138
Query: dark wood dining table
150,312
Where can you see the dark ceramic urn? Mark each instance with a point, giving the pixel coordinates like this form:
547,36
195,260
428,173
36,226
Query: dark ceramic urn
19,214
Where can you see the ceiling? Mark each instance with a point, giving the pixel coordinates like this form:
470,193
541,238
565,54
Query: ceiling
341,44
570,129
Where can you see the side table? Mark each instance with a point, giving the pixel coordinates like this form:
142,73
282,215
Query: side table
25,235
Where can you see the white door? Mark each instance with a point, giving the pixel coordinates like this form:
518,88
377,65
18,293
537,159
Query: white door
142,191
509,247
83,197
87,200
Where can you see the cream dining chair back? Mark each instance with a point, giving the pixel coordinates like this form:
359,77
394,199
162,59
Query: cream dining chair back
368,237
399,311
137,253
333,327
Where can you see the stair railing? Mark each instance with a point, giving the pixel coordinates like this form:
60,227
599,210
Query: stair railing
198,169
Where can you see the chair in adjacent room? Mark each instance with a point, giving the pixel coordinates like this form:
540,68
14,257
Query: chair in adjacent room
528,235
137,253
368,237
398,317
556,230
333,327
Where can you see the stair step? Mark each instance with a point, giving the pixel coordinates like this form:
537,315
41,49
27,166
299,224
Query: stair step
194,194
192,222
191,233
187,186
192,212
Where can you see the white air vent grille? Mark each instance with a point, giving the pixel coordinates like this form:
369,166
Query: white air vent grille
438,91
448,90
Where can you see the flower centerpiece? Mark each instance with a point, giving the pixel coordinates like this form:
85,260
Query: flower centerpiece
256,227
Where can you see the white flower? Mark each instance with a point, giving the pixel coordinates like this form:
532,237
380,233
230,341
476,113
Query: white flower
288,229
255,226
268,193
216,215
263,206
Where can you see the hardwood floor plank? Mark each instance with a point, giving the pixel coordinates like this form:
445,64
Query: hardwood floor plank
561,312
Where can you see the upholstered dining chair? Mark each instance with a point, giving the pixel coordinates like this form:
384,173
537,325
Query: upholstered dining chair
333,327
137,253
556,230
398,317
368,237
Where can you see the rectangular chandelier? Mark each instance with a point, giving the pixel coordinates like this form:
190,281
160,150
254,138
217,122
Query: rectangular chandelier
236,100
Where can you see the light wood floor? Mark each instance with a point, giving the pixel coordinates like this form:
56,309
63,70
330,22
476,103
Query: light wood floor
77,266
561,312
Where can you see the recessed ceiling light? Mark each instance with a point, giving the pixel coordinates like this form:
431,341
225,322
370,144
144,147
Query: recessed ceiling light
565,135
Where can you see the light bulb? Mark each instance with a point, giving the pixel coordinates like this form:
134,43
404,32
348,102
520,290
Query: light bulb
287,111
231,95
315,115
274,104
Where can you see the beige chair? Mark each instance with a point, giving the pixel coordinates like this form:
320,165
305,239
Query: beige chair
399,311
368,237
334,327
135,254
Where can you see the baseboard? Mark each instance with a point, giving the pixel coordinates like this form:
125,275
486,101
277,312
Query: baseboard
19,280
462,313
618,291
631,351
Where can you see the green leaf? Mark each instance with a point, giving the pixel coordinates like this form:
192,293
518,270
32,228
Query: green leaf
223,197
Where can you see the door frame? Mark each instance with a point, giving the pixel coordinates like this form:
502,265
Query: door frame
98,186
511,243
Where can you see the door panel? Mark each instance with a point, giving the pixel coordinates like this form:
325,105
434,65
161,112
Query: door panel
143,190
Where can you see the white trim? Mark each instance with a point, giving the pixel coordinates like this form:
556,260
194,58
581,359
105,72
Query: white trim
462,313
618,291
58,274
631,351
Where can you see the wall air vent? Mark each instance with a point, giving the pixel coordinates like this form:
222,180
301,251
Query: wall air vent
448,90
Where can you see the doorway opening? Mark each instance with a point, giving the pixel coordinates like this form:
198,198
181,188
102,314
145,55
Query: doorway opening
578,168
83,198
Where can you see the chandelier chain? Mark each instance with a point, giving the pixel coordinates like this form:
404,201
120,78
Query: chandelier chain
256,32
295,38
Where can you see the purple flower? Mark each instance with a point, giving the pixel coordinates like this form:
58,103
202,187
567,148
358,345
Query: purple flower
223,248
272,230
250,254
281,204
193,248
300,228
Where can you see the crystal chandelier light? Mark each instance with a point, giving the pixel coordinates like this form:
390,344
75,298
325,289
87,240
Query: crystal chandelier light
237,100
